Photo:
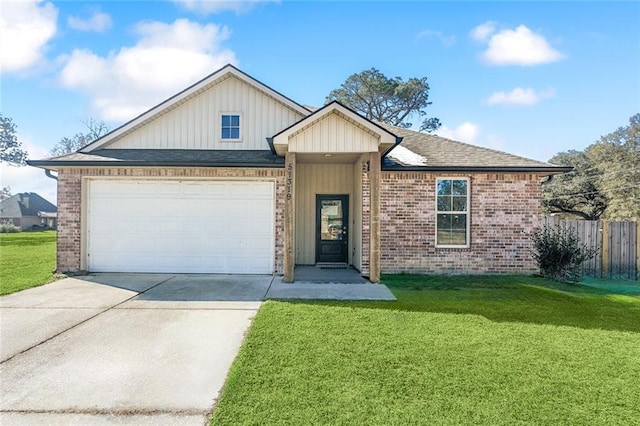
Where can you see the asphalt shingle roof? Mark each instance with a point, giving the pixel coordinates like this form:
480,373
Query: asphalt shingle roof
440,152
25,204
167,157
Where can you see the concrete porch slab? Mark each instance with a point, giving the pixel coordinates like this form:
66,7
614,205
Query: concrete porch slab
313,291
319,275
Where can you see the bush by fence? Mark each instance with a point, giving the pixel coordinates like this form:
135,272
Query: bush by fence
618,245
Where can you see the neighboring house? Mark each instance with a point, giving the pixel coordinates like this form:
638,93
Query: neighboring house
230,176
27,210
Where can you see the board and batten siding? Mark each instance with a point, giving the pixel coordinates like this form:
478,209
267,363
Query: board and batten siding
333,134
311,180
196,123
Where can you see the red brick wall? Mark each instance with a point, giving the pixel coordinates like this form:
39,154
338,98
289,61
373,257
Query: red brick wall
70,193
504,209
69,232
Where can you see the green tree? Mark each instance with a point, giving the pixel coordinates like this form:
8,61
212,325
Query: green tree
5,193
605,182
95,130
387,100
617,158
576,193
11,151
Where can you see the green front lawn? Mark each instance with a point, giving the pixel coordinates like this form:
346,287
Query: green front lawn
27,259
451,350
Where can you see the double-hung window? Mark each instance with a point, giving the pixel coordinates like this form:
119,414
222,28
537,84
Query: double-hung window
230,127
452,212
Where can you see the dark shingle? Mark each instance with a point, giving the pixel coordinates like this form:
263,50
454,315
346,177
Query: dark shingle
440,152
167,157
25,204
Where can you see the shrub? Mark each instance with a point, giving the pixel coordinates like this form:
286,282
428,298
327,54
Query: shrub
9,228
559,253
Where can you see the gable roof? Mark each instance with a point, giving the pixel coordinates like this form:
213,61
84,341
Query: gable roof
386,137
419,151
25,204
187,94
432,152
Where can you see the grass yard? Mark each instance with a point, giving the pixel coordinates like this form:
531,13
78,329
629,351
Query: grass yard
451,350
27,259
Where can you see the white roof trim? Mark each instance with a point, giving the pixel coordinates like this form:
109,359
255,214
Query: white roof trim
180,97
385,137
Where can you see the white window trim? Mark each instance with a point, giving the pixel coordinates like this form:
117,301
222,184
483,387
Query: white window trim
468,212
219,128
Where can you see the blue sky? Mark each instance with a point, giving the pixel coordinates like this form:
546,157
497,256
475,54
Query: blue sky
532,79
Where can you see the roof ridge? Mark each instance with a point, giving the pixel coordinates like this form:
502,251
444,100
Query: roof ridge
497,151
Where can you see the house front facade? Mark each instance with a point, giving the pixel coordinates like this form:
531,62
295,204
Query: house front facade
28,210
230,176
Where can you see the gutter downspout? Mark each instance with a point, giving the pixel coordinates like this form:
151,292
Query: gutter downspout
547,181
49,175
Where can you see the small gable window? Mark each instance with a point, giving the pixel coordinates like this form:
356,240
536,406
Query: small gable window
230,127
452,212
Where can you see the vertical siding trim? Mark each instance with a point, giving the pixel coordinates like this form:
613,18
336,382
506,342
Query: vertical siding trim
194,124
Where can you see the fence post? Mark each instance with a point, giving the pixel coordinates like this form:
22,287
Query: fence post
605,248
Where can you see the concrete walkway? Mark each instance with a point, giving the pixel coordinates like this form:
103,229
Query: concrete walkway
313,283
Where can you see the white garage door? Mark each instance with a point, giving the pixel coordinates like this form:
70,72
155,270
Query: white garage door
186,226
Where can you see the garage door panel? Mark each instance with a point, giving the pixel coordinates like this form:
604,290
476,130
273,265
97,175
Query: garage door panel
223,227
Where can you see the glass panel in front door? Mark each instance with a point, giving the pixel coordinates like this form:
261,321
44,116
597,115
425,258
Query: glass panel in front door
331,228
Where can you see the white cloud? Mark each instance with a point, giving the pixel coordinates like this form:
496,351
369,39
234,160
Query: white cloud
126,83
520,46
98,22
206,7
27,26
447,41
483,31
27,178
466,132
519,96
471,133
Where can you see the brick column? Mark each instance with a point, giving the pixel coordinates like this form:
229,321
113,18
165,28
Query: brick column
69,228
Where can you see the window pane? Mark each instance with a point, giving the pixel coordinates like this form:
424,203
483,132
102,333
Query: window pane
459,221
443,237
444,222
444,187
444,203
226,120
460,204
458,237
235,133
452,229
331,226
226,134
459,187
235,120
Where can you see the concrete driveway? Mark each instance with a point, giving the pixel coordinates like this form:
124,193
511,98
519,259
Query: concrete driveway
122,349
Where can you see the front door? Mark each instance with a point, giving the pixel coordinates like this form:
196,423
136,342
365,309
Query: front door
332,236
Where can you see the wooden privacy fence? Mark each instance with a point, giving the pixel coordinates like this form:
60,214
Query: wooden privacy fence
618,245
